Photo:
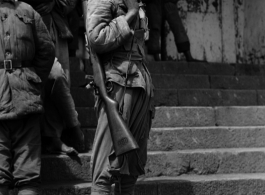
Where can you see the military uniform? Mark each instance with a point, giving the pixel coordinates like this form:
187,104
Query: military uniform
26,57
120,49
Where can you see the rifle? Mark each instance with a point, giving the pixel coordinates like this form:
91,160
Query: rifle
122,138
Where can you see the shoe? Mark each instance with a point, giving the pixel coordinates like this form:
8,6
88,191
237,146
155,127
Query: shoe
189,58
195,60
54,145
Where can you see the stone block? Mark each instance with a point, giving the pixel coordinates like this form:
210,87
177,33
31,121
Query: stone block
166,97
191,138
180,81
87,117
237,82
72,188
225,185
261,97
65,168
240,116
89,138
250,69
74,64
184,117
190,68
211,97
205,162
83,97
78,79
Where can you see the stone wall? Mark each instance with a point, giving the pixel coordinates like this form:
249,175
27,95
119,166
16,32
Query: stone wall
230,31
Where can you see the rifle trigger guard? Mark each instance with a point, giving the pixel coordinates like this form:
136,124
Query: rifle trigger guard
109,86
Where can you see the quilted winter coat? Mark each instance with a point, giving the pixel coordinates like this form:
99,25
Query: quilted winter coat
23,38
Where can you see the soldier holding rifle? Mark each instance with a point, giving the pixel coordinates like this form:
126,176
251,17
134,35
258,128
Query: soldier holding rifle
116,31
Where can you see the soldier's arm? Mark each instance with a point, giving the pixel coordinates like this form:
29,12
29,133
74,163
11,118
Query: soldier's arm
105,33
45,50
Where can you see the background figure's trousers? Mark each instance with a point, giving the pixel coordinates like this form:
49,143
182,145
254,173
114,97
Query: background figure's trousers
20,152
136,110
156,10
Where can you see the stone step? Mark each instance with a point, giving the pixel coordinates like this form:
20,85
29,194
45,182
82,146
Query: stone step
193,116
167,67
161,163
208,97
188,138
187,97
173,139
170,81
227,184
182,67
209,116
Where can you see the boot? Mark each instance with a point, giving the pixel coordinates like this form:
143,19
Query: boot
4,191
189,57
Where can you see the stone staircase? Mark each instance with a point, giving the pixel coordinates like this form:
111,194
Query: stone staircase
207,137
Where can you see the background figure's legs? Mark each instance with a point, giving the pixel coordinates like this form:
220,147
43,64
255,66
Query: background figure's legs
179,32
154,14
176,25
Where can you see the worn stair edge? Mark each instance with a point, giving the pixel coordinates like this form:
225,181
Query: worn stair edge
208,97
209,116
172,139
178,138
161,163
229,184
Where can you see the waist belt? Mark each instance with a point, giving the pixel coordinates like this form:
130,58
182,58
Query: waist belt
10,64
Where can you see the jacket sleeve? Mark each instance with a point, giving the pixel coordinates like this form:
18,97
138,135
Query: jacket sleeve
104,32
45,50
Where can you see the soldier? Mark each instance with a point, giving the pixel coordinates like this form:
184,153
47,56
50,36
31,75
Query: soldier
60,114
156,9
26,57
116,31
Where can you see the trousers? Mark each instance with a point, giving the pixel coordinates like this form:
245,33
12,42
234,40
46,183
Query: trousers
135,105
156,11
20,152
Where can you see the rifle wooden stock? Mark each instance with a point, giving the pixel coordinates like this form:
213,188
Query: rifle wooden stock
122,138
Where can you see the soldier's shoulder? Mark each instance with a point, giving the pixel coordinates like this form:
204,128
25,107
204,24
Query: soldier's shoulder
23,5
25,9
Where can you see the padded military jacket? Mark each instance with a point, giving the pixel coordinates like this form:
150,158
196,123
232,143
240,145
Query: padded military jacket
116,42
23,39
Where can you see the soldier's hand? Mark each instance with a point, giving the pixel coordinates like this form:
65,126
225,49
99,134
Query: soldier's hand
132,5
45,8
